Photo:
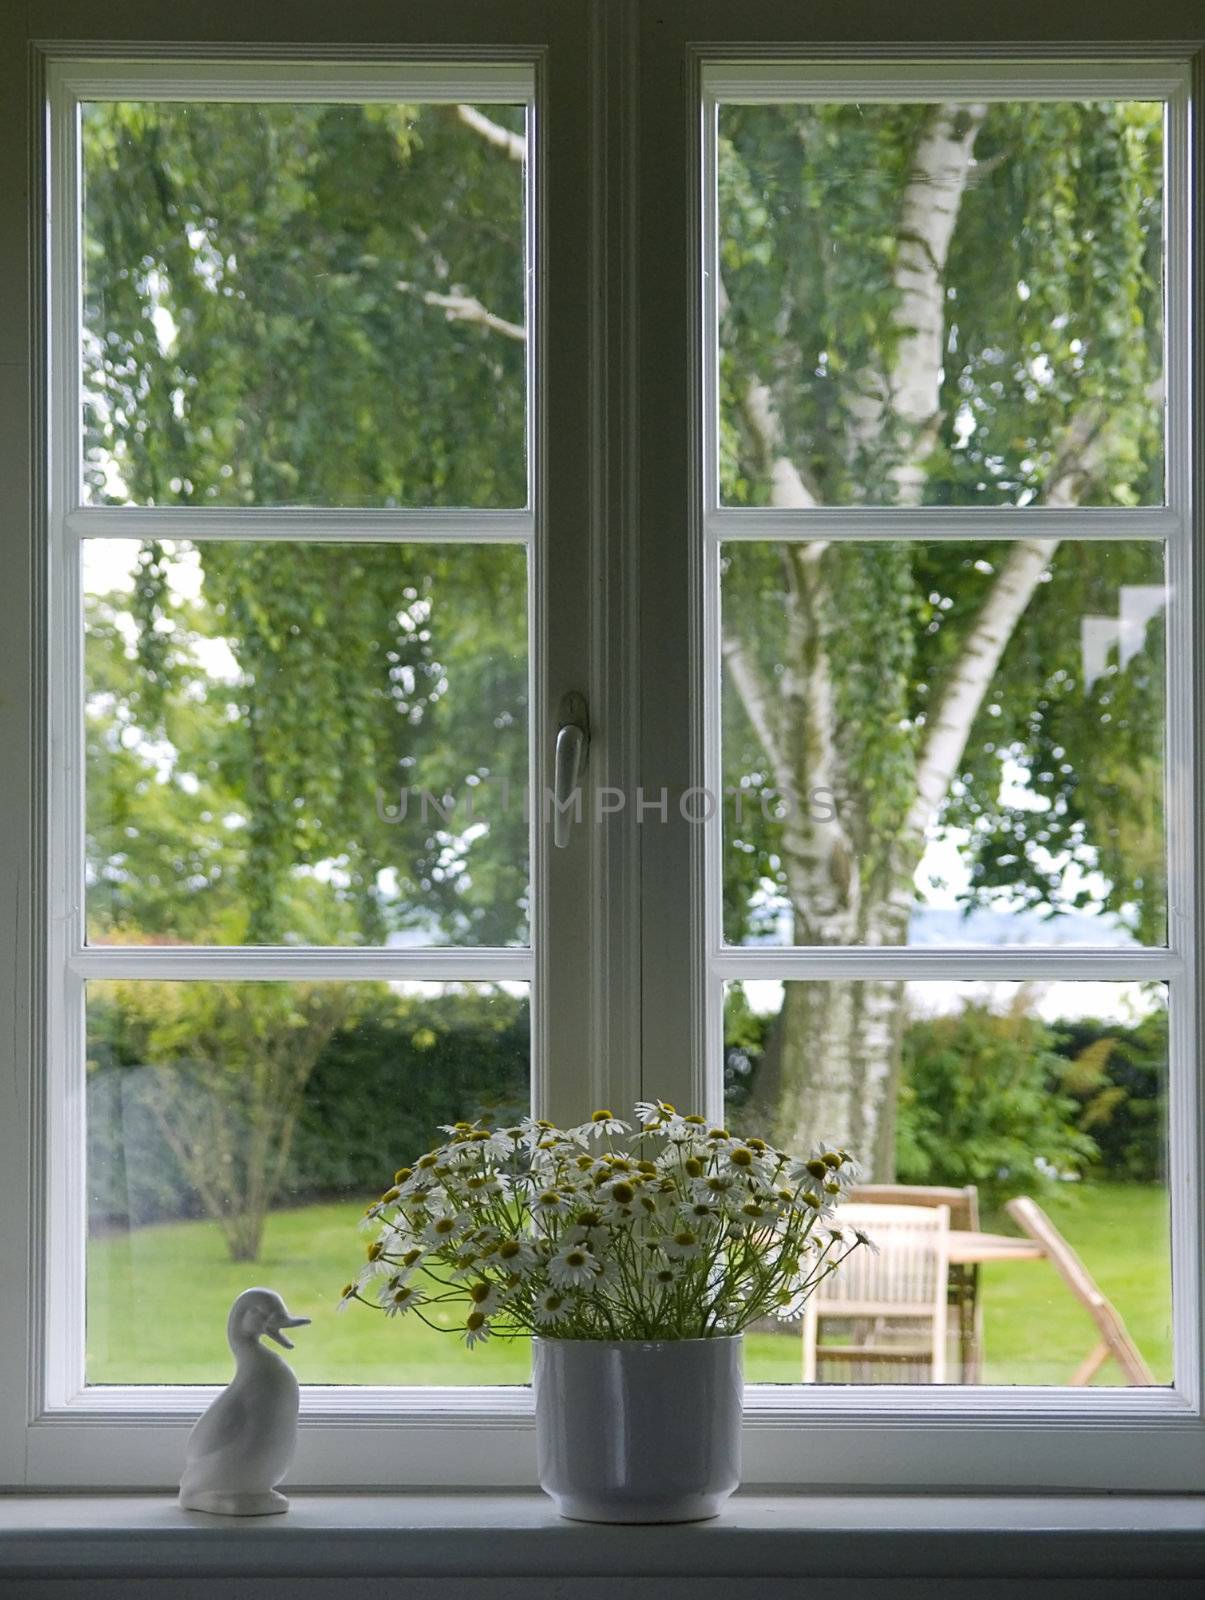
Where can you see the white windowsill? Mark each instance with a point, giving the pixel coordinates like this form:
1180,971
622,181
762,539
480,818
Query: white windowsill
499,1536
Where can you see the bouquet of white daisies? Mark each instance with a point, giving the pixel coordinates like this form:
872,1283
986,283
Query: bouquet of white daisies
674,1229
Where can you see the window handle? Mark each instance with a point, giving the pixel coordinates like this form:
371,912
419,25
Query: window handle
572,750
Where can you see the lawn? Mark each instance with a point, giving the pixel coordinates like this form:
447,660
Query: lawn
158,1296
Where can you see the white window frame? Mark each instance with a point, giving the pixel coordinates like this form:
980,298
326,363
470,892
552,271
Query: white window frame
126,1436
902,1436
620,477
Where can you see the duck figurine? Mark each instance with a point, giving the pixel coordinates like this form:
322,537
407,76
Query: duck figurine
241,1448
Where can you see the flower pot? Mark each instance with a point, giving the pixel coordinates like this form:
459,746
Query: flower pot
636,1430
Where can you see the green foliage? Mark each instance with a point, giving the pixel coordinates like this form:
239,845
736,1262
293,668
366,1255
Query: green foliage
256,332
1052,288
1118,1076
977,1105
1051,375
354,673
391,1070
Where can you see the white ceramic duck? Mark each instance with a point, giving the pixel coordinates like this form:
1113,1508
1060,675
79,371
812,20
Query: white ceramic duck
241,1448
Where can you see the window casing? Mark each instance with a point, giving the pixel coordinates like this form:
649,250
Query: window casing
637,973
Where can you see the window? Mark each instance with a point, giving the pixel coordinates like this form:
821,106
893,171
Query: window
820,429
937,640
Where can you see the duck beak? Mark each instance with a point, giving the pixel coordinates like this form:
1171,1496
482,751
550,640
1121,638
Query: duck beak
286,1322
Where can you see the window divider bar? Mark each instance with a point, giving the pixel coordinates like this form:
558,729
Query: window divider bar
986,965
428,963
730,524
339,525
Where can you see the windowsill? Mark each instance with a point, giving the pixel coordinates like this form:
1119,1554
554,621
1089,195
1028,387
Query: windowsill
516,1535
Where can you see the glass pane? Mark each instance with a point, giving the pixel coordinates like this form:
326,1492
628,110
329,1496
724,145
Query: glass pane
1053,1093
944,304
944,743
303,305
306,743
236,1132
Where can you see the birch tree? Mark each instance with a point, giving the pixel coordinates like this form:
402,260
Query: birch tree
923,305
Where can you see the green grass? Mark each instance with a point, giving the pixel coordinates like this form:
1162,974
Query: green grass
158,1297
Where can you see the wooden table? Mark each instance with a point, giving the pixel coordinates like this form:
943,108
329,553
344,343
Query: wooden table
967,1251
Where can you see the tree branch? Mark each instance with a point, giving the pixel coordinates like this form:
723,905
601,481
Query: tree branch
946,740
758,701
787,487
466,308
948,732
513,145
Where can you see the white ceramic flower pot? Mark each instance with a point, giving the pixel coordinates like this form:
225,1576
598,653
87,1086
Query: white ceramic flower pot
638,1431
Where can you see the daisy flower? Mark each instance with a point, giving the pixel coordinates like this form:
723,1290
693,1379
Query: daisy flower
443,1229
476,1329
396,1301
602,1124
684,1244
551,1307
654,1114
573,1267
551,1202
485,1296
483,1185
516,1255
663,1275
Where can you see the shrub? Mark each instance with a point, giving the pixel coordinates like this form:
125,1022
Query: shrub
1118,1077
980,1103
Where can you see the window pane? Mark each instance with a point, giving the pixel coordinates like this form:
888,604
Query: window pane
941,304
1055,1091
236,1132
303,305
306,743
944,743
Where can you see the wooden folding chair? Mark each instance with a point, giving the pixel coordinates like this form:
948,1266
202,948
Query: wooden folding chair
1115,1339
891,1306
963,1296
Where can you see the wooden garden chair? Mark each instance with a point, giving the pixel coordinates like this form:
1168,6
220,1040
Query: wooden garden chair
1115,1339
963,1295
892,1305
